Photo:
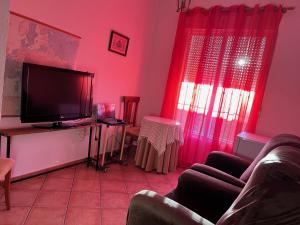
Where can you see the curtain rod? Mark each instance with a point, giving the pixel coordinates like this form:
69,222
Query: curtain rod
247,8
283,9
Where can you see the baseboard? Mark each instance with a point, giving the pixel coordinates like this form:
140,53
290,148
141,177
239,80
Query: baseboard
47,170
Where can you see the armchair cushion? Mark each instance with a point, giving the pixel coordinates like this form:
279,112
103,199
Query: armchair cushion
149,208
205,195
218,174
279,140
228,163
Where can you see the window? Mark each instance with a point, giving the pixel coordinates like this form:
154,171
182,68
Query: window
213,94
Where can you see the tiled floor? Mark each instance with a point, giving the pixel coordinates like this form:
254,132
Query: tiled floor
80,196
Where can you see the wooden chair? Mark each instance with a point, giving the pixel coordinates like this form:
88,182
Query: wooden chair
131,104
5,174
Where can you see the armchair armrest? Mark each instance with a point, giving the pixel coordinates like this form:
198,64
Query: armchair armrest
208,170
148,208
228,163
204,194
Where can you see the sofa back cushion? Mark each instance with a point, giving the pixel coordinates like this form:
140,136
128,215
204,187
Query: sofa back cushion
272,194
279,140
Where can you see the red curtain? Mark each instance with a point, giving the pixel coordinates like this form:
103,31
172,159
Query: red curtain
218,74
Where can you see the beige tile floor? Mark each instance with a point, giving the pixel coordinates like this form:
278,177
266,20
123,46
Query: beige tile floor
81,196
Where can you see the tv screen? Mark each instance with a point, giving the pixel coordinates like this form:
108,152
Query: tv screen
54,94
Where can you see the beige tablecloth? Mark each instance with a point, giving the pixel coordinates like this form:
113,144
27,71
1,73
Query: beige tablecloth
158,143
148,158
160,132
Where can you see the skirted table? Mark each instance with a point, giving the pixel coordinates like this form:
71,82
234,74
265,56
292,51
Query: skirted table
158,144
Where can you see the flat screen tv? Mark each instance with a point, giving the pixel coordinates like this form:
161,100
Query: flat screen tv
52,94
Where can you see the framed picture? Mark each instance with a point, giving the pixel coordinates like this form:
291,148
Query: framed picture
118,43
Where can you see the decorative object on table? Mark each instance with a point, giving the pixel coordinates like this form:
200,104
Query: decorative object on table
6,166
158,144
118,43
183,5
35,42
106,112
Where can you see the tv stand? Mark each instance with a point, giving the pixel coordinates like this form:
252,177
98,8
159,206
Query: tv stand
9,132
55,125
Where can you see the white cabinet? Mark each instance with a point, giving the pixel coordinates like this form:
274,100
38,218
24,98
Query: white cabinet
249,145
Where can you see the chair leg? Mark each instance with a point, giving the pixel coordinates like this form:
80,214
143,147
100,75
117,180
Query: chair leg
7,189
130,143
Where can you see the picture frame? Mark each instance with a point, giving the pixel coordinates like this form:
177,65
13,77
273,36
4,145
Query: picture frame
118,43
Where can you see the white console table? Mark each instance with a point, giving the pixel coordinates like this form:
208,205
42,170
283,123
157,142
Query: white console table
249,145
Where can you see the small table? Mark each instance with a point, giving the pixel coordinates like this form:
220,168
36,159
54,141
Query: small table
158,144
103,164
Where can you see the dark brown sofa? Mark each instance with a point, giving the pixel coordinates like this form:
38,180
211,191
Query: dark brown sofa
220,179
270,196
237,170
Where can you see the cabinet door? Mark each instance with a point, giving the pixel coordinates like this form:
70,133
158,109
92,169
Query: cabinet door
248,148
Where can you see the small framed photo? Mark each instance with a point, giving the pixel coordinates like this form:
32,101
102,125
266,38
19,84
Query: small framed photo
118,43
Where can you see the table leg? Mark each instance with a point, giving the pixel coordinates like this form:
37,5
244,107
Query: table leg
89,150
98,148
104,148
8,147
112,144
123,141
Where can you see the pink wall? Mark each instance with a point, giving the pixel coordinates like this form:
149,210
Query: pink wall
156,65
281,105
150,25
93,21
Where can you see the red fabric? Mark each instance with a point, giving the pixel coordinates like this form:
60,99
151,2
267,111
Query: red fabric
218,74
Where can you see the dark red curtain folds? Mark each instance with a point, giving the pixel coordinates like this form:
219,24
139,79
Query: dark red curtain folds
218,74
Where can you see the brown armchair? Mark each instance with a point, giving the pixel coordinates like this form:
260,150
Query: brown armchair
237,170
270,196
